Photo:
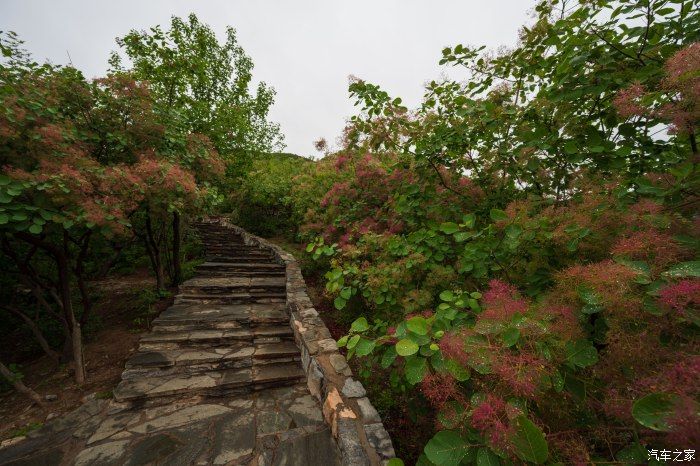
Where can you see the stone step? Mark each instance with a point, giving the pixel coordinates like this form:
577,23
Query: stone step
193,361
223,316
218,286
235,259
211,338
212,383
233,251
224,273
240,266
262,297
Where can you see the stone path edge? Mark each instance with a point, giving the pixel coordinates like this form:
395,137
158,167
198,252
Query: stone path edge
354,422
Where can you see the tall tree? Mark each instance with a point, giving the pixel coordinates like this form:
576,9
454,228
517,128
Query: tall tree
203,86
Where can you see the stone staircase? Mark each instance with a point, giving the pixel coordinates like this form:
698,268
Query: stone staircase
240,370
227,332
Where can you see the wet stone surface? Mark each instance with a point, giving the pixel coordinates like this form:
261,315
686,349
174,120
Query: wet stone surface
216,382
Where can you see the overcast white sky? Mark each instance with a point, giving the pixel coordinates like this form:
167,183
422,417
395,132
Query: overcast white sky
305,49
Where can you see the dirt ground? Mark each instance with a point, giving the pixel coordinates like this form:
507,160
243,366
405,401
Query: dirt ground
123,314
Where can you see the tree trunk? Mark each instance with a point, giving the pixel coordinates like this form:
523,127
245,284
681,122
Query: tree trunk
55,357
177,241
156,259
76,333
19,386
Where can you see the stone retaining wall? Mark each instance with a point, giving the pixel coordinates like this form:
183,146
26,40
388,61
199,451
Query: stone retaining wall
353,420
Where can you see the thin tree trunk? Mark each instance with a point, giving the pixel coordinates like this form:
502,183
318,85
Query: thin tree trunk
55,357
19,386
177,241
60,255
79,274
76,332
155,256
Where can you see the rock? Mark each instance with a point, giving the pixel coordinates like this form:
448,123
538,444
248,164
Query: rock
104,454
235,438
350,445
327,345
51,397
369,413
11,441
378,437
188,415
353,389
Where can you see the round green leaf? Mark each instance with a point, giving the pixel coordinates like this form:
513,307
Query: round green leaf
415,369
339,303
36,229
529,442
364,347
457,370
417,325
498,215
406,347
395,462
388,357
653,411
446,448
447,296
449,228
581,353
684,269
353,341
342,341
485,457
359,325
510,336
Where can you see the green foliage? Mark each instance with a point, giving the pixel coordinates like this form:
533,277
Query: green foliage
205,86
262,202
516,243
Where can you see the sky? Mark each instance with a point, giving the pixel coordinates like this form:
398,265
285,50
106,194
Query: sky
305,49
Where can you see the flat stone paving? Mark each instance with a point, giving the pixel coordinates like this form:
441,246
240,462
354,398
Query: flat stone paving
213,383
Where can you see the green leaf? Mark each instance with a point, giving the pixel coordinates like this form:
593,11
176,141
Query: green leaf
485,457
417,325
339,303
364,347
395,462
309,247
446,448
359,325
36,229
633,454
447,296
469,220
510,336
581,353
457,370
342,341
529,441
653,411
353,341
406,347
345,293
4,218
415,369
498,215
449,228
684,269
557,381
388,357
